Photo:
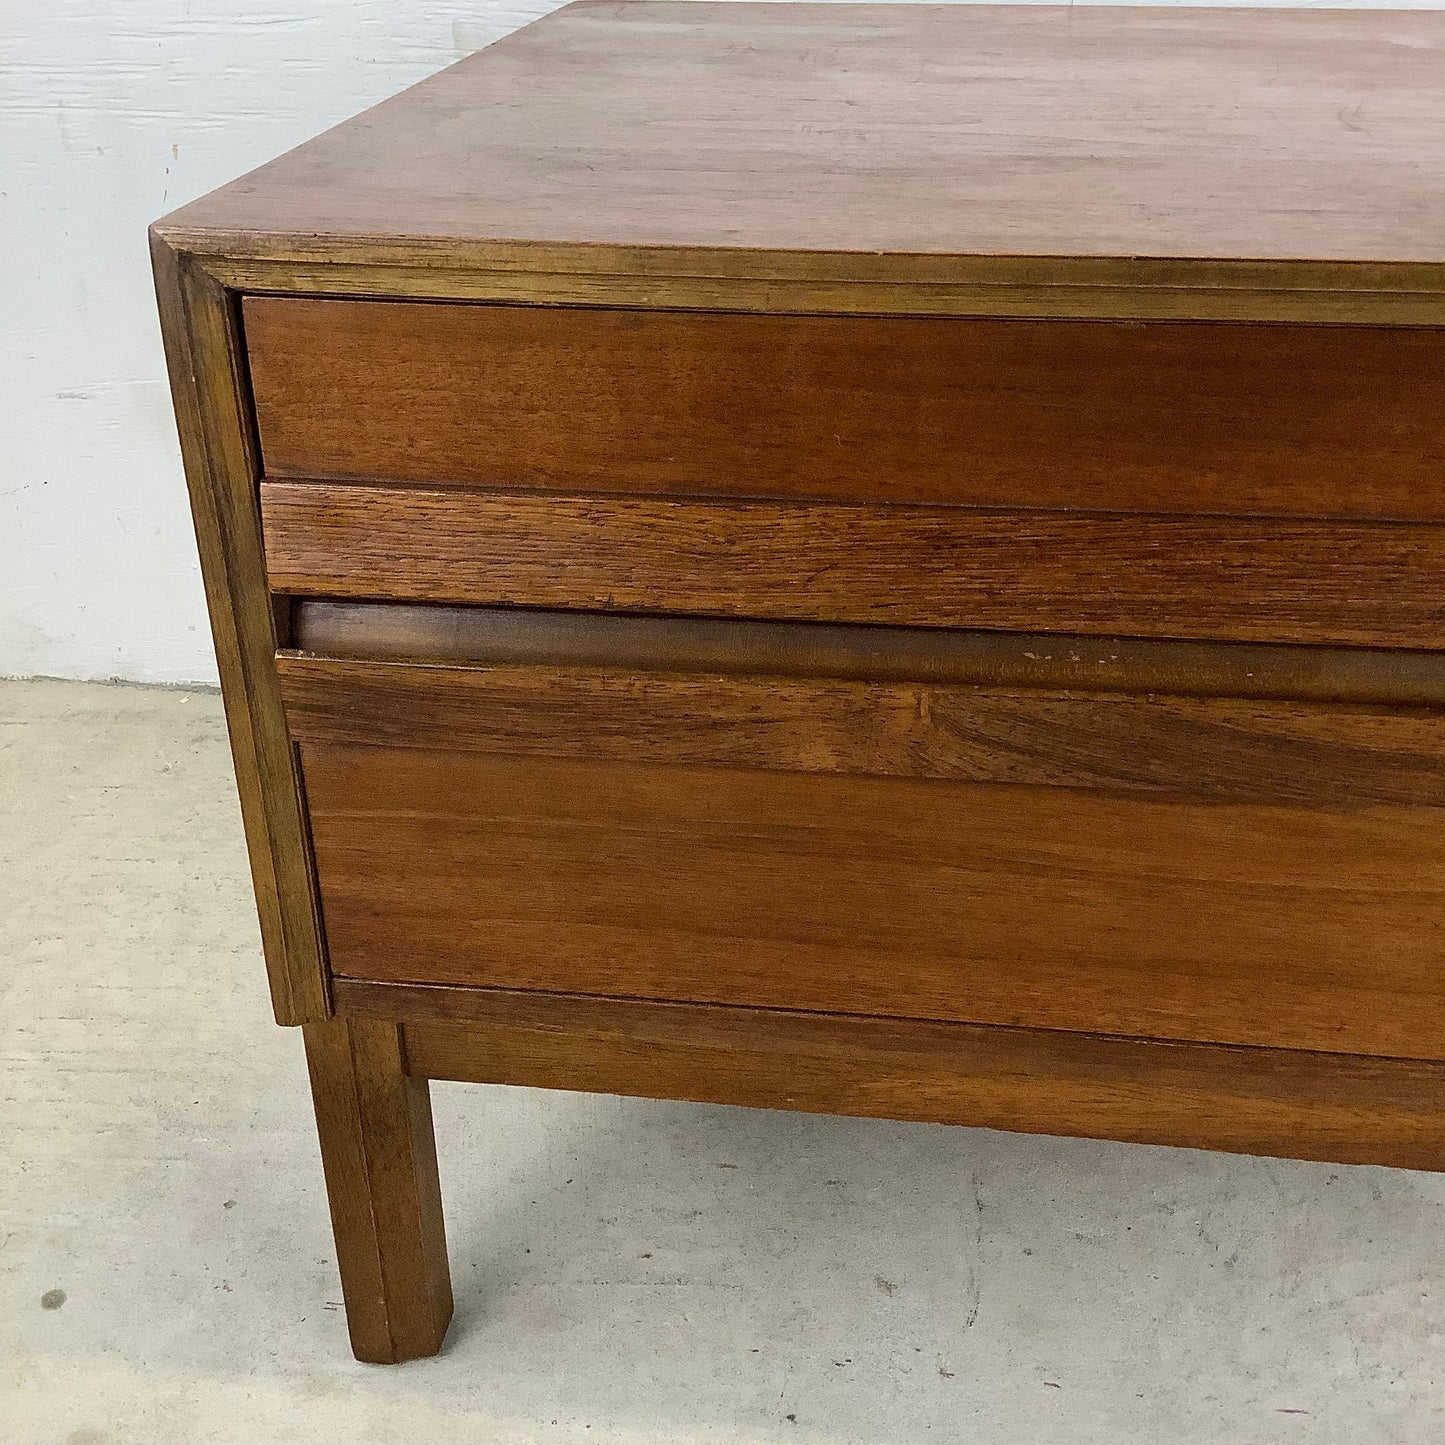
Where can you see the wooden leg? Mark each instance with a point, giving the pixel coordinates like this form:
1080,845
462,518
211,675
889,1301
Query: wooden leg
379,1155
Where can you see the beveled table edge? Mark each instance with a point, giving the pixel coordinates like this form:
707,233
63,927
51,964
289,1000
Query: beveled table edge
1405,293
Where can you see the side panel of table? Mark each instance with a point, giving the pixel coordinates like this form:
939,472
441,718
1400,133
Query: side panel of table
200,323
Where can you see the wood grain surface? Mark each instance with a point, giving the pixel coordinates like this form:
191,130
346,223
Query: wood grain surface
379,1155
1223,748
1280,924
1344,1108
1039,131
1245,579
200,325
1300,420
827,283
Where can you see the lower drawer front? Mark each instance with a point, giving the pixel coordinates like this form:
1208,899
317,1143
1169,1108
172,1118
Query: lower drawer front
1211,869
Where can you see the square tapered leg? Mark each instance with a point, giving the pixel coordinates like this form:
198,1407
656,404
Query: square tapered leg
379,1155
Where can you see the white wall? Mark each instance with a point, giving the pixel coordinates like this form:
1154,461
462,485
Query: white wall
113,112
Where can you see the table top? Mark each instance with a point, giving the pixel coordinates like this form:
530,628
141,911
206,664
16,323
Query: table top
941,130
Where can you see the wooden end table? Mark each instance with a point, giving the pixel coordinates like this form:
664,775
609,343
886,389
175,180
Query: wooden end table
874,559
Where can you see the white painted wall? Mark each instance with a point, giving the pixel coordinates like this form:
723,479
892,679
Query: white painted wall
113,112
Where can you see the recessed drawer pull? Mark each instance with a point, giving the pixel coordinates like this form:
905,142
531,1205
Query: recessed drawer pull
498,636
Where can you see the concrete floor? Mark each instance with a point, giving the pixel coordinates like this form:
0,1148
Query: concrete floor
625,1270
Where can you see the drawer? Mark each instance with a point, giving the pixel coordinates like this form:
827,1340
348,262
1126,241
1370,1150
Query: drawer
1158,417
759,823
1223,481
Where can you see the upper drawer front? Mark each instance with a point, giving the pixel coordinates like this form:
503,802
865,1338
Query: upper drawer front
1155,417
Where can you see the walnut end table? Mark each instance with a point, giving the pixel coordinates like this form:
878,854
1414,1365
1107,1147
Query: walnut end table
884,560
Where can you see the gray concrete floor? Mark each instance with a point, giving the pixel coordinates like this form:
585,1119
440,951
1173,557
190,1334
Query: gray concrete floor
625,1271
